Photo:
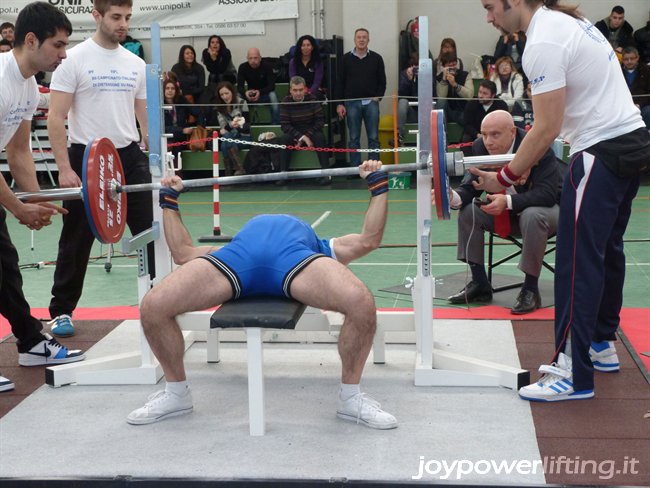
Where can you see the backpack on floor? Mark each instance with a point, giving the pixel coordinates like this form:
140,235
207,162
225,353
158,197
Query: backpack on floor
261,160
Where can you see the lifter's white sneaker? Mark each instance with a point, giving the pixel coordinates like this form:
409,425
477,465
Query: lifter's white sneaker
160,406
362,409
603,356
556,384
49,352
6,384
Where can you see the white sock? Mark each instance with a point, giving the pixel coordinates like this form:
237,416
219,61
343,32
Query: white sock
567,347
179,388
348,391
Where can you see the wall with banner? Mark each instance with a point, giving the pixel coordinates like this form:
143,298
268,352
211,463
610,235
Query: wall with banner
274,25
177,18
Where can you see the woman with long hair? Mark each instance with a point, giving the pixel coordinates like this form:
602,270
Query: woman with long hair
307,63
447,45
232,113
218,61
510,84
190,74
176,122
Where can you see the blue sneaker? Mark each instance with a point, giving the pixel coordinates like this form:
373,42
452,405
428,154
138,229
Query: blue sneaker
62,326
49,352
556,384
603,356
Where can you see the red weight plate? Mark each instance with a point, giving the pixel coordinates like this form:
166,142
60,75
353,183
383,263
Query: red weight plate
435,163
106,212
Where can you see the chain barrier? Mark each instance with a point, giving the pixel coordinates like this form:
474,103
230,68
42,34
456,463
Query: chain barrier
294,148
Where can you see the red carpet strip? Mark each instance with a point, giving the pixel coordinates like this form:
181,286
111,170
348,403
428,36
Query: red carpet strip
635,322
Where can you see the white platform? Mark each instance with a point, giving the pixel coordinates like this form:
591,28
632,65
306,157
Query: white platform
81,430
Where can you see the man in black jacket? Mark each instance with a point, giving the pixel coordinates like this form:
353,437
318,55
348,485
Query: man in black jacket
642,41
476,110
361,83
533,207
616,30
256,83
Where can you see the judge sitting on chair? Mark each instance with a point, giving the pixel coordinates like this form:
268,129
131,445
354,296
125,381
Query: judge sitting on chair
272,255
529,209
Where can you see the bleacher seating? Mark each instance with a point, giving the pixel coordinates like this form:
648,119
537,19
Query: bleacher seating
260,117
203,160
41,150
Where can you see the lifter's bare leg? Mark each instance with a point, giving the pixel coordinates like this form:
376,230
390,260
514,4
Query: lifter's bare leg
329,285
197,285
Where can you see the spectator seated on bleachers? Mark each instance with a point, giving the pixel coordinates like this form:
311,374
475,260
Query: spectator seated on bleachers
408,92
447,45
256,83
477,109
510,84
218,61
234,125
176,117
617,30
642,41
454,87
190,74
511,45
302,122
637,77
306,62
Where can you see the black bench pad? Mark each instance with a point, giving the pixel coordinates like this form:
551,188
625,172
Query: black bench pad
262,312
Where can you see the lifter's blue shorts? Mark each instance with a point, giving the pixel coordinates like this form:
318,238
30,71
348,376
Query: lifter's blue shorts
267,254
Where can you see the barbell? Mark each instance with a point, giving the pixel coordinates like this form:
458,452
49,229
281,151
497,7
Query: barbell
103,189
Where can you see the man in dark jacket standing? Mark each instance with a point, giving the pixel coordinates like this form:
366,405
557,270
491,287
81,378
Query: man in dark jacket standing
361,84
533,214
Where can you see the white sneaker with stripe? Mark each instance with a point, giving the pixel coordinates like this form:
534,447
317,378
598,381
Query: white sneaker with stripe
603,356
555,384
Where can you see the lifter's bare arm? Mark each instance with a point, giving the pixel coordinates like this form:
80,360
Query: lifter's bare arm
177,236
353,246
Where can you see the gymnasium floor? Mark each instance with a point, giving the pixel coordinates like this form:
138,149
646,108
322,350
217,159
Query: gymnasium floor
304,439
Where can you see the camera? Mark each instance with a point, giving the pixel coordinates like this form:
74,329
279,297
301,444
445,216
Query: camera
416,69
452,71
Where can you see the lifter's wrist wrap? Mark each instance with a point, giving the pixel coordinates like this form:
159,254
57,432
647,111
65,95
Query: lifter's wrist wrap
377,182
168,198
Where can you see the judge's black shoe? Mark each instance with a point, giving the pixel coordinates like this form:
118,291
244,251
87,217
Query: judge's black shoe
473,292
527,301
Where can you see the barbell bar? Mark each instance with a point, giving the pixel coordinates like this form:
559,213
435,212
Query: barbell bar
103,189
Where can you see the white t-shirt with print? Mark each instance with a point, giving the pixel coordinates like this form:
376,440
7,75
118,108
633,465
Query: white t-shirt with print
105,83
18,97
562,51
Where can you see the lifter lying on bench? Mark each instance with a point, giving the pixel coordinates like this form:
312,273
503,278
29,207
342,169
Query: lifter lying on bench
272,255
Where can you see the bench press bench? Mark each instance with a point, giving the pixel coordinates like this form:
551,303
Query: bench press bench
254,314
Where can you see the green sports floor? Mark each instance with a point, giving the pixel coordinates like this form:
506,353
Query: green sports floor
341,209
